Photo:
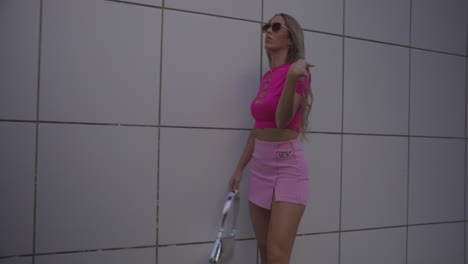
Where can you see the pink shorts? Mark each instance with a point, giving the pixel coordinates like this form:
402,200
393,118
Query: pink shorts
278,167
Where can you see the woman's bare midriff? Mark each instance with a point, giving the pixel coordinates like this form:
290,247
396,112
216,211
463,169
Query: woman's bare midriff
274,134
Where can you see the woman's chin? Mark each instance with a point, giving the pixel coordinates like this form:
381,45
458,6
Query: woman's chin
269,47
272,49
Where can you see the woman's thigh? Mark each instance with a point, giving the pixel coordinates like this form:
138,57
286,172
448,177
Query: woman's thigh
284,222
260,218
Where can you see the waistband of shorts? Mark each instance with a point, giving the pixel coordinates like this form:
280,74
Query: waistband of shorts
291,143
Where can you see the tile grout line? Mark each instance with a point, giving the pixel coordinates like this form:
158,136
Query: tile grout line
466,108
342,132
76,252
228,128
158,171
135,3
307,30
36,154
464,195
241,239
394,44
409,133
257,259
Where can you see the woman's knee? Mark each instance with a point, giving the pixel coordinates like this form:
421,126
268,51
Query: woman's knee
277,254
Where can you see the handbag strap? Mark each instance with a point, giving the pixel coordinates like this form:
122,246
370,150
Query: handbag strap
235,212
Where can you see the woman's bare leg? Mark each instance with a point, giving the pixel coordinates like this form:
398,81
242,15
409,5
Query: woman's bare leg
260,218
284,222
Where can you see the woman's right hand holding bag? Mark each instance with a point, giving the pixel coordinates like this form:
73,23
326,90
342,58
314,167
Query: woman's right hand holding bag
235,180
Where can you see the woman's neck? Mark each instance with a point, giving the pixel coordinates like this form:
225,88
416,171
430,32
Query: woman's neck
278,57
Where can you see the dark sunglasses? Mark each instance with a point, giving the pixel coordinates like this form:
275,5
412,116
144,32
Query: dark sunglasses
275,27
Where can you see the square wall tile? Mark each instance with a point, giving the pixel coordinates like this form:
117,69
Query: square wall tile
383,246
244,252
17,165
196,165
17,260
376,91
19,28
438,91
375,176
434,244
121,256
322,214
96,187
437,180
244,9
219,81
320,15
100,70
381,20
440,25
326,53
321,248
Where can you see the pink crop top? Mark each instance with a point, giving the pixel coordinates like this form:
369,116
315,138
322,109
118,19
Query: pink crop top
263,106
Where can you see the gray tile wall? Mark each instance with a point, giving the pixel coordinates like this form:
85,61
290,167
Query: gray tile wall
121,122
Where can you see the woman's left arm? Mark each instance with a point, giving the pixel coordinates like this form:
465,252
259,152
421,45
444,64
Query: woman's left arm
290,99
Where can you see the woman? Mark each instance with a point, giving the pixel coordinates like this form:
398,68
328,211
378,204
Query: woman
279,179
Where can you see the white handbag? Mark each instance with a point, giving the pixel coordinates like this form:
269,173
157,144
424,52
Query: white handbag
223,248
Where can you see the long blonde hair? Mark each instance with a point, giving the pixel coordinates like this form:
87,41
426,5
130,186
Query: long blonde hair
296,51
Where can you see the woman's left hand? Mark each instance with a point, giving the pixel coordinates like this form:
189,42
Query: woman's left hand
299,68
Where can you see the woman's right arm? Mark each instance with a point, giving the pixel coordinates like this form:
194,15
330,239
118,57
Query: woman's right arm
243,161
